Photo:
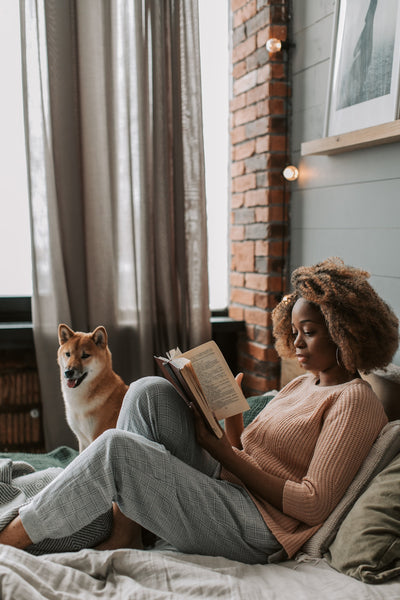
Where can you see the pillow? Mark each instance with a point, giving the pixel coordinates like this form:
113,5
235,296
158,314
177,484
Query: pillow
367,545
385,447
257,403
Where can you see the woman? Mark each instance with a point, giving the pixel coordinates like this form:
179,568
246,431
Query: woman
254,493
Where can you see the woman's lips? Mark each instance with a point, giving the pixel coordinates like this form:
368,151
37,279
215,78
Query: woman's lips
301,357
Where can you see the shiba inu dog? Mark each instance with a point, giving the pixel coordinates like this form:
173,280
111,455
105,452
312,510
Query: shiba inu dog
92,391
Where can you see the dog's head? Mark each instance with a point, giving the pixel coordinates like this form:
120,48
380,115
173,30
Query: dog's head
82,355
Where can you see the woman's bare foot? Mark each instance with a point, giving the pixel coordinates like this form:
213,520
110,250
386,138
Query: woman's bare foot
125,533
15,535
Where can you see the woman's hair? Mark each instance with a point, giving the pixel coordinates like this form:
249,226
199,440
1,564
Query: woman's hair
360,323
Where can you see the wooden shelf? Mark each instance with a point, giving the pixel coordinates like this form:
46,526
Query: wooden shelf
362,138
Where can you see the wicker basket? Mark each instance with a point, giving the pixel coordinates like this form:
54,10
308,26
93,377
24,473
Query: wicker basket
20,410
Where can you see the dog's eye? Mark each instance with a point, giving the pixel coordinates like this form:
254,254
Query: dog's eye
68,354
85,355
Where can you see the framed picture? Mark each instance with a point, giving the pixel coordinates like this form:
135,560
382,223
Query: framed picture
364,75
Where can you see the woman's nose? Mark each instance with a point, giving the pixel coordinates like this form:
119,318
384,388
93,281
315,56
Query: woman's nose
298,341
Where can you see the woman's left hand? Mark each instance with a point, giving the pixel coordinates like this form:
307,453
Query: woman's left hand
219,448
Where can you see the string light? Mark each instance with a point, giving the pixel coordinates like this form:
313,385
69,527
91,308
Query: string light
275,45
290,173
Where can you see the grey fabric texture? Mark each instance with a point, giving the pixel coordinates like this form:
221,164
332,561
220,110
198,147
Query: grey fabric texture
153,468
19,483
386,446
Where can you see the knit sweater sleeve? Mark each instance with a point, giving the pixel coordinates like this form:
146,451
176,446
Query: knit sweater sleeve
349,429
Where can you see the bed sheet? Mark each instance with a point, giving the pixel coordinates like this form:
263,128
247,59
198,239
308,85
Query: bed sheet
156,575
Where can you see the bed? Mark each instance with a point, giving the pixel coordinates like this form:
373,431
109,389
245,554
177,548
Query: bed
356,554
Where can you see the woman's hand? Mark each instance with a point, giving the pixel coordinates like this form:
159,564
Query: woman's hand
219,448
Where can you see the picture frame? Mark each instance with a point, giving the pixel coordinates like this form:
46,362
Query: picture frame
365,66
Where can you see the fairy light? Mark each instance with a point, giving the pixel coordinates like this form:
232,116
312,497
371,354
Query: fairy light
290,173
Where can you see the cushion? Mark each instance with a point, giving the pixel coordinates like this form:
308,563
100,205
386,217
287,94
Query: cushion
385,447
257,403
367,545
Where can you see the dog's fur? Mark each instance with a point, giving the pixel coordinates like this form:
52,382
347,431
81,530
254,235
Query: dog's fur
92,391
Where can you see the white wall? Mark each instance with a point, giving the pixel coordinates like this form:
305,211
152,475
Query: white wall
346,205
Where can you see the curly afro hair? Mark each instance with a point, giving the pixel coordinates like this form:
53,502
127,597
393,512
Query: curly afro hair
359,322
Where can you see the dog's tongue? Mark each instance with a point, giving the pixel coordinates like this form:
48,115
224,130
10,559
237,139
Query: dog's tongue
71,383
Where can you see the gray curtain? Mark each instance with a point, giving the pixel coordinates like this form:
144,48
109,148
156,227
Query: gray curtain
116,181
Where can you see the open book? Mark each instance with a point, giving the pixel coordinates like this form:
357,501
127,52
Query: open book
203,377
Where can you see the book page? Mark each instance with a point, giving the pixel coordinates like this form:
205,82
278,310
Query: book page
179,371
223,393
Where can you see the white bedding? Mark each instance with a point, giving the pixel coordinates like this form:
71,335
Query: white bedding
156,575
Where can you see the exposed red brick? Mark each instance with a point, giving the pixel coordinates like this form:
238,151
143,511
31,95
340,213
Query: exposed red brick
238,102
245,83
262,37
256,281
245,115
238,168
277,31
256,198
259,194
243,256
237,279
242,297
244,150
279,88
257,351
238,135
266,300
237,200
236,313
245,13
250,331
263,143
244,49
236,4
244,183
257,93
239,69
261,335
276,106
268,248
262,214
278,71
278,143
256,383
237,232
257,317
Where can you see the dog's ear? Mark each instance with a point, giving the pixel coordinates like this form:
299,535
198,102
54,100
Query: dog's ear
99,336
64,333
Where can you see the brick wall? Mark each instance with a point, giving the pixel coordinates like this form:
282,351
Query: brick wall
259,194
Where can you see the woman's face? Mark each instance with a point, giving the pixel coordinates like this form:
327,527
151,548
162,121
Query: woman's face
315,350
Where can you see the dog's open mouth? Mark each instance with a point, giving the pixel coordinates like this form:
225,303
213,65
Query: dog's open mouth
73,383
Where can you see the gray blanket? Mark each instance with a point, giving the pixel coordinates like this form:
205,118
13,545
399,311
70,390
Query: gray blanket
19,482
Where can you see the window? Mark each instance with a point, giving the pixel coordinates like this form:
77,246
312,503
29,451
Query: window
15,259
214,50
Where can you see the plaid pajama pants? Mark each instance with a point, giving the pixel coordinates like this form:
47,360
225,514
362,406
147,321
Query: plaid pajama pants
152,467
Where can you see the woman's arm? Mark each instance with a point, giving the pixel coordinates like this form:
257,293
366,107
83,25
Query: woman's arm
264,485
234,425
234,429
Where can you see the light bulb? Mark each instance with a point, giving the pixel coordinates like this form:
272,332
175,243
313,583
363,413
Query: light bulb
273,45
290,173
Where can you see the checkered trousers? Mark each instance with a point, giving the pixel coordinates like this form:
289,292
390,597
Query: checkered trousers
152,467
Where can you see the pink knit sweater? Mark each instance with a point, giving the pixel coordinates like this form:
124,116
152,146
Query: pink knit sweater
315,437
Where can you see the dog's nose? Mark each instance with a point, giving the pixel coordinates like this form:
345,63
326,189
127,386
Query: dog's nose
69,373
